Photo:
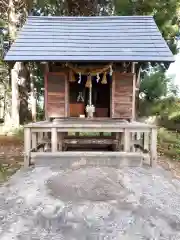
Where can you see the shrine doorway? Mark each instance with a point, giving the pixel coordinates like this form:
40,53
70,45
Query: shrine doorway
79,96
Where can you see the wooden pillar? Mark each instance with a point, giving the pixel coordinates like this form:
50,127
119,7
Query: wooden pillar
46,70
60,140
134,92
146,141
112,95
40,139
117,137
138,80
34,140
153,147
54,139
67,96
27,146
120,138
133,137
127,140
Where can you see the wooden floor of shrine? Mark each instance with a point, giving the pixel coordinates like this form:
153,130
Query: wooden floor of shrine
93,141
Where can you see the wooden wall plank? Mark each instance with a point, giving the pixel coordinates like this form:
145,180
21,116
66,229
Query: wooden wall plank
122,95
55,93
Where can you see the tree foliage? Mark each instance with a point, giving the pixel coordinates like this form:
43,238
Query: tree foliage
154,86
158,93
73,7
13,14
165,12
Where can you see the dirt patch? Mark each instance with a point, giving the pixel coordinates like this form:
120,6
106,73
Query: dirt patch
11,149
170,165
11,156
91,187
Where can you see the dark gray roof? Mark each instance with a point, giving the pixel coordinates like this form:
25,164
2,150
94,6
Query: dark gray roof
117,38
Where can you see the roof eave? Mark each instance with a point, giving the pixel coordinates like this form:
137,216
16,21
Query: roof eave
91,60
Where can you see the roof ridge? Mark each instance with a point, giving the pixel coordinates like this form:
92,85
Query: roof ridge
93,17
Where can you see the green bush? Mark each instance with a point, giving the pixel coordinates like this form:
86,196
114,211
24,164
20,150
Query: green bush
169,144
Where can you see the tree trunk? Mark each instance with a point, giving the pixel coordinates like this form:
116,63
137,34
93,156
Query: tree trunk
7,101
12,25
15,96
19,74
33,94
33,102
12,21
82,8
24,88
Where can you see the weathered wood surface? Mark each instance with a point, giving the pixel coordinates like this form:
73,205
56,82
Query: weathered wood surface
124,141
80,159
127,140
54,139
63,141
90,141
27,146
122,94
134,91
56,94
85,125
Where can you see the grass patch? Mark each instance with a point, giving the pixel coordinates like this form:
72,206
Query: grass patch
12,131
169,144
7,170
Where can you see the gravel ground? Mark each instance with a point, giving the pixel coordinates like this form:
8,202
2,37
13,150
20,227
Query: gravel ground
90,204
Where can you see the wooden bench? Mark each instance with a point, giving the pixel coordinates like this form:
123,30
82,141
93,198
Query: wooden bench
84,142
80,142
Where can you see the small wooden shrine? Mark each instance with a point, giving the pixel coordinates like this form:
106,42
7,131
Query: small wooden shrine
87,90
91,77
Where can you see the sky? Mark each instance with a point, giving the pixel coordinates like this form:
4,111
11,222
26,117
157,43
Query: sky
174,70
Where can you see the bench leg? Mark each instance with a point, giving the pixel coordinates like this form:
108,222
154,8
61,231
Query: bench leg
54,140
27,146
34,140
119,138
60,141
127,140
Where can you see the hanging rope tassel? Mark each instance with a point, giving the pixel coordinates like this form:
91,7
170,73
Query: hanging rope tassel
111,71
79,81
72,76
104,79
97,77
89,81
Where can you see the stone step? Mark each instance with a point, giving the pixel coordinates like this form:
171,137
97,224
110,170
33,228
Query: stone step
94,159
